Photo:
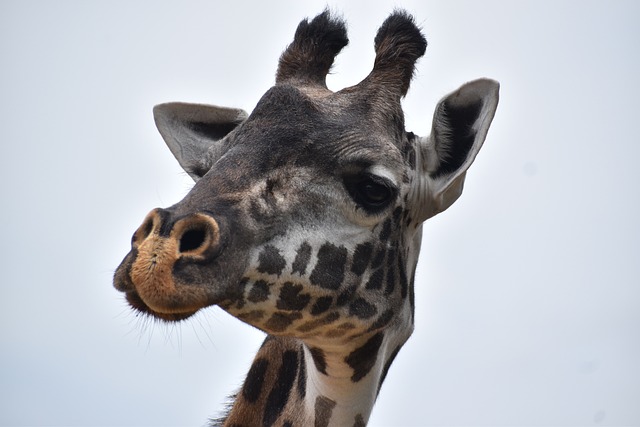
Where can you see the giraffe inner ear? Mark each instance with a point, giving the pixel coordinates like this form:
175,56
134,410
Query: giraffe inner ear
460,125
192,132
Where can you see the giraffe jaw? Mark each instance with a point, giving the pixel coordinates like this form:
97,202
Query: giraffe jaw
137,303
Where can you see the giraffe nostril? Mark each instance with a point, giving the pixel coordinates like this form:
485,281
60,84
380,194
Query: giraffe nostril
145,229
193,239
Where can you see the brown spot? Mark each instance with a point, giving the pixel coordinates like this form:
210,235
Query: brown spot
303,256
251,316
324,409
335,333
291,297
329,270
361,258
279,395
259,292
375,279
270,261
383,320
340,331
252,387
387,365
347,325
313,324
279,321
318,359
362,359
362,309
386,230
302,374
346,295
321,305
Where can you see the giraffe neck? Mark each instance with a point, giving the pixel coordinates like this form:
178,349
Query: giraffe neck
293,383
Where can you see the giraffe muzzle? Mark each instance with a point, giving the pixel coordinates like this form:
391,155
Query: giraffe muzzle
159,244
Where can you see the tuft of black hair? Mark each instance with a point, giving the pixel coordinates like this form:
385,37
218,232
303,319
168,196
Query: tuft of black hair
220,420
315,45
398,44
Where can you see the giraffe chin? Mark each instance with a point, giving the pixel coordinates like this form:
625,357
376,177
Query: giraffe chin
138,304
164,299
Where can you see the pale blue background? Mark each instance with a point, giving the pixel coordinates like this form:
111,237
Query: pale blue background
528,299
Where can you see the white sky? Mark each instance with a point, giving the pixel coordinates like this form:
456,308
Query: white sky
528,290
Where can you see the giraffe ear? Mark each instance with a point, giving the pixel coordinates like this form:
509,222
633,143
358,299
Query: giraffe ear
192,132
460,125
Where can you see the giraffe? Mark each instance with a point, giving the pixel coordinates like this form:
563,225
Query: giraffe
305,221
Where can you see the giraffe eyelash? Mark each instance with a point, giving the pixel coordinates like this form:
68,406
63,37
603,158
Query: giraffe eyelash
371,192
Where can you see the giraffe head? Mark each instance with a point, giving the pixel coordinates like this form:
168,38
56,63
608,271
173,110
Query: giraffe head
305,217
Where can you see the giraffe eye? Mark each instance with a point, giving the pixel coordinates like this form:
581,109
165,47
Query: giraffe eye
374,193
371,192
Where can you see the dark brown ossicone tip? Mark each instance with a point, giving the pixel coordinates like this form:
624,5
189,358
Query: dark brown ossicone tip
309,58
398,44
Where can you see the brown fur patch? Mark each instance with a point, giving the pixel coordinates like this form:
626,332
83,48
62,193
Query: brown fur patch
324,409
152,270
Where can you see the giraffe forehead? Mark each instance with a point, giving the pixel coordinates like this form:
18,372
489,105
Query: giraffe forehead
292,124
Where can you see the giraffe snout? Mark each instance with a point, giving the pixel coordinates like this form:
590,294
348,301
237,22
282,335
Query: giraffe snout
193,236
161,246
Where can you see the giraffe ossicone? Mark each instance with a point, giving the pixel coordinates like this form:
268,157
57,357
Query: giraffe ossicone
305,221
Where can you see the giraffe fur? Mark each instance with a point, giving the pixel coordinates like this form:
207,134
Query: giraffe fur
305,221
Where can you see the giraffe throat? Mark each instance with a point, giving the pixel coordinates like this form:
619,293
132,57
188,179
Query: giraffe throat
328,291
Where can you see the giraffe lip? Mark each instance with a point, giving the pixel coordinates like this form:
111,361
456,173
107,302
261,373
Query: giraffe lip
138,304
